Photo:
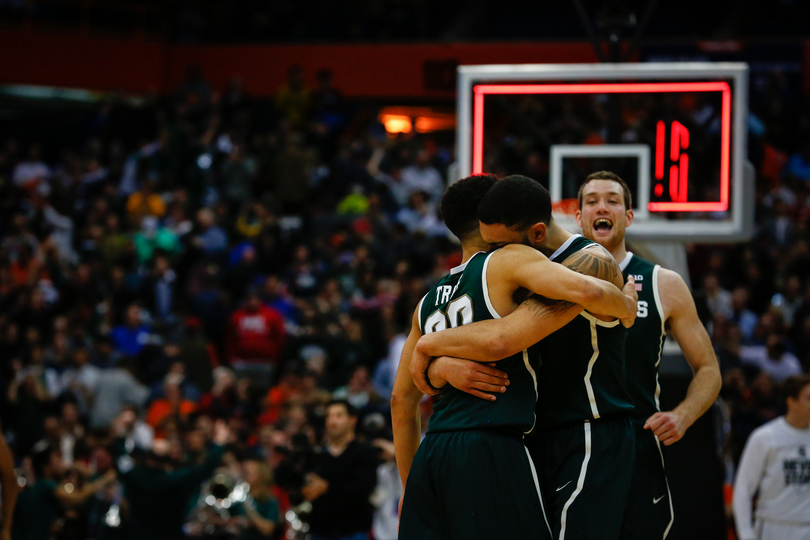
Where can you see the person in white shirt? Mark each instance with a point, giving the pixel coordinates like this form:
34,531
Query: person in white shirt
772,358
775,467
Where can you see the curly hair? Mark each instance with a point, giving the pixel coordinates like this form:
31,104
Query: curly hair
460,203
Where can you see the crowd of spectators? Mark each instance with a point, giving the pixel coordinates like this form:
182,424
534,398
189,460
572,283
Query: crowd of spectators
210,257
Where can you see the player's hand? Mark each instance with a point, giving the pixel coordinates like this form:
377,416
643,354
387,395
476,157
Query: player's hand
419,366
629,291
474,378
669,427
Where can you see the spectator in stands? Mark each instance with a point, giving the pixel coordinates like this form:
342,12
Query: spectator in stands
342,480
159,492
744,317
116,388
172,408
772,358
212,239
293,100
28,174
39,504
718,300
132,336
256,336
422,176
261,512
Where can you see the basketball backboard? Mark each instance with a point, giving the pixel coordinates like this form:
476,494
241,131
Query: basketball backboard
676,132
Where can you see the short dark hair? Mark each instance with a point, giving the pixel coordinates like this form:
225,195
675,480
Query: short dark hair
794,385
350,410
517,202
613,177
460,203
42,459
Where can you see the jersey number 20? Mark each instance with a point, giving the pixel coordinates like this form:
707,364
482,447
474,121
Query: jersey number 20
459,312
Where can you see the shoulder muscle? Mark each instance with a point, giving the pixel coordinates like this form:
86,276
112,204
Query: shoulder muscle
595,261
675,294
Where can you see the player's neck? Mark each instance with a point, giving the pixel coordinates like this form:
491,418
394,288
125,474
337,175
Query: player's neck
795,420
619,252
556,236
471,247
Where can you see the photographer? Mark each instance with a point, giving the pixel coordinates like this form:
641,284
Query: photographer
342,479
158,493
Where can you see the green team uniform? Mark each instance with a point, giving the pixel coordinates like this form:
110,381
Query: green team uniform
648,515
472,476
583,446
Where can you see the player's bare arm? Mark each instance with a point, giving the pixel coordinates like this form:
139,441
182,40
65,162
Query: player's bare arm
682,320
592,279
405,400
9,487
493,340
405,416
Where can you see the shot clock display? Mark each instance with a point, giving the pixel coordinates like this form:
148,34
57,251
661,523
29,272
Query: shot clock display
674,132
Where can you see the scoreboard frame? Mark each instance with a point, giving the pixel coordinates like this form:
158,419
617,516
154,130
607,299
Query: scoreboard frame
736,180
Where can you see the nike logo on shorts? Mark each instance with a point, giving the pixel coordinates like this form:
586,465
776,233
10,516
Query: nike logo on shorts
658,500
563,486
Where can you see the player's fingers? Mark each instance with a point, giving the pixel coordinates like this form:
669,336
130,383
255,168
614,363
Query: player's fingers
486,387
480,394
662,429
483,377
654,423
669,439
483,368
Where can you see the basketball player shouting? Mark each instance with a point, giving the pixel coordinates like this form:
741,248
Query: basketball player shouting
664,303
472,477
584,446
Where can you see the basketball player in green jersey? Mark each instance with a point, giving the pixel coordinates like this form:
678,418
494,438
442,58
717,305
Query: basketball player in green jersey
665,303
584,446
472,477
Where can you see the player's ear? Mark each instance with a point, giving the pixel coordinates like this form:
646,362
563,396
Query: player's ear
578,217
537,233
630,217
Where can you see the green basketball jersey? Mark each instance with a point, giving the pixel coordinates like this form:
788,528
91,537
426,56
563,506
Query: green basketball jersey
645,339
582,374
462,297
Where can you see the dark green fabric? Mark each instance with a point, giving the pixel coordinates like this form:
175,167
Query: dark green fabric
645,340
648,513
159,500
471,485
585,472
582,373
459,298
36,511
268,509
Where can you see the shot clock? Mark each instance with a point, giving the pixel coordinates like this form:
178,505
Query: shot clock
675,132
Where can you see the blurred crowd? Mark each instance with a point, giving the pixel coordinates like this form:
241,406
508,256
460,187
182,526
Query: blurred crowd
206,258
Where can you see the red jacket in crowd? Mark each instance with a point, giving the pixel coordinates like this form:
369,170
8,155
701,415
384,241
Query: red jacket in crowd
256,334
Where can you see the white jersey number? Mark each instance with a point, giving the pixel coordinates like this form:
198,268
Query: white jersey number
459,312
